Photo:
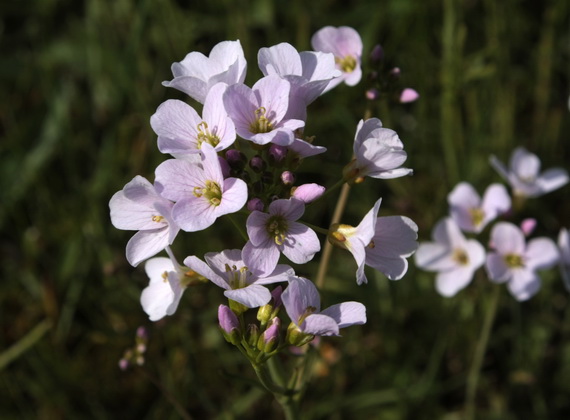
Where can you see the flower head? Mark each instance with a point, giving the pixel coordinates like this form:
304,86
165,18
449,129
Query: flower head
276,232
516,262
139,206
259,113
196,74
453,257
303,305
346,45
470,213
200,191
242,283
181,130
524,175
378,153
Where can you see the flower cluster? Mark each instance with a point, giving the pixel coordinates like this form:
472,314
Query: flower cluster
240,154
510,259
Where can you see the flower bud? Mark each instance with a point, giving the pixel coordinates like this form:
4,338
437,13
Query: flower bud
277,153
264,314
229,324
527,226
377,54
372,94
296,337
236,159
123,364
395,72
255,204
287,178
408,95
307,192
269,339
252,334
257,164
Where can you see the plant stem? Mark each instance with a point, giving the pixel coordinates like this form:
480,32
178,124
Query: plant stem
325,258
475,370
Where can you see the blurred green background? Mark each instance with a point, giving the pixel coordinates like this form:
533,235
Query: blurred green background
79,82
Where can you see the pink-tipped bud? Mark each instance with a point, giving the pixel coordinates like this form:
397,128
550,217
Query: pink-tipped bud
257,164
255,204
268,340
236,159
123,364
229,324
377,54
408,95
395,72
287,178
527,226
372,94
142,333
308,192
277,153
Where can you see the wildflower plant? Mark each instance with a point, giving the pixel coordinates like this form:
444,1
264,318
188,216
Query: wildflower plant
240,156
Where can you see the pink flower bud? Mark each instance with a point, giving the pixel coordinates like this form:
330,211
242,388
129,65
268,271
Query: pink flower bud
308,192
377,54
255,204
228,320
372,94
395,72
408,95
527,226
257,164
277,153
287,178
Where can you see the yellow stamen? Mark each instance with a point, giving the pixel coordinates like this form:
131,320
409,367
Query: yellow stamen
261,123
347,64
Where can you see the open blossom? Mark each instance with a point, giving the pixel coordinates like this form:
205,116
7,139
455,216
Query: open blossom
303,305
453,257
200,191
346,45
181,130
470,213
516,262
259,113
564,248
139,206
168,281
378,153
524,174
308,72
382,243
242,283
196,74
276,232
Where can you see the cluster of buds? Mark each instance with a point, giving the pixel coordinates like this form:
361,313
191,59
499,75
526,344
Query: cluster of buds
135,354
510,259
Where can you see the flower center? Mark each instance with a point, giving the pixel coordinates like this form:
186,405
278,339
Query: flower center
308,311
238,279
477,216
157,219
204,135
514,261
277,227
460,257
261,123
347,64
211,192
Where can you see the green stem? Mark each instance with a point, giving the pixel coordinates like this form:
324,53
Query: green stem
333,188
475,370
315,228
238,227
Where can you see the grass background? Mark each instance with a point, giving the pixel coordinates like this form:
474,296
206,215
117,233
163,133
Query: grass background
79,82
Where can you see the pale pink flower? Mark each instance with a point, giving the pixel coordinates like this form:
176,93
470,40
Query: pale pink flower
139,206
454,258
196,74
515,262
470,212
200,191
524,174
346,45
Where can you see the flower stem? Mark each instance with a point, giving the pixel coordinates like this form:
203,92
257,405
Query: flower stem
238,227
315,228
475,370
325,258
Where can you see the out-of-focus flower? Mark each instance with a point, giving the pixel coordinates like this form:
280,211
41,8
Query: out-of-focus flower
309,73
346,45
139,206
408,95
200,191
564,248
453,257
524,174
527,226
276,232
515,262
196,74
259,113
243,283
382,243
470,213
303,305
181,130
378,153
308,193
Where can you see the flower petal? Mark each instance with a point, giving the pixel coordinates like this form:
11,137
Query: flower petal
251,296
347,313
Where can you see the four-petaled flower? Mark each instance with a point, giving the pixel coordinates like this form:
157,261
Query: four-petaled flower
303,305
139,206
453,257
470,213
515,262
200,191
524,175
